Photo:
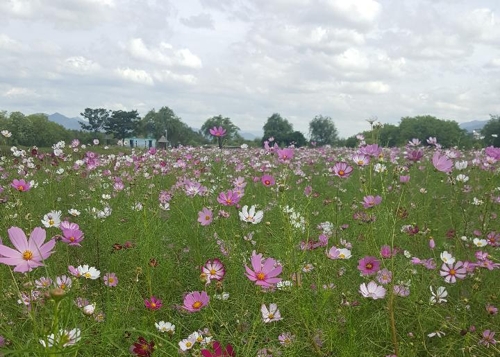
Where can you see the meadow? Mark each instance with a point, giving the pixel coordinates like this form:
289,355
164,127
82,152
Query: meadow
250,252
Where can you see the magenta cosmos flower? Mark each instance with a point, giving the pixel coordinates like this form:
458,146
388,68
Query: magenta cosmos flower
442,162
205,216
372,290
213,270
72,236
153,303
342,169
218,131
368,265
21,185
285,154
218,351
229,198
265,271
28,254
268,180
111,280
452,272
371,201
195,300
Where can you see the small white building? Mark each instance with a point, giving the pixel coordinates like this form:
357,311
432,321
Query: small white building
139,142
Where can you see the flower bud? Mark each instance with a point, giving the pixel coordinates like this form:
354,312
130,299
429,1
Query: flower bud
89,309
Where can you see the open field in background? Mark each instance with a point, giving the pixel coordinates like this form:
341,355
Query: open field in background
365,252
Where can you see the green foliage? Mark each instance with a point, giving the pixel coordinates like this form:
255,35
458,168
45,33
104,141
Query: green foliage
96,119
278,128
226,123
121,123
491,131
166,122
322,130
447,132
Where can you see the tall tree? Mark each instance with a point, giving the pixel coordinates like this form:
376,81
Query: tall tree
491,131
278,128
96,119
220,121
121,123
447,132
322,130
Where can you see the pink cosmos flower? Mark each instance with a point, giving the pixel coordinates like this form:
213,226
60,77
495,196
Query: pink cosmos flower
229,198
268,180
110,280
153,303
205,216
21,185
72,236
218,352
218,131
30,253
195,300
342,169
368,265
371,201
452,272
285,154
372,290
488,338
213,270
385,251
442,162
265,271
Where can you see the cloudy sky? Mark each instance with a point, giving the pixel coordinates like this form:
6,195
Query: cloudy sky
248,59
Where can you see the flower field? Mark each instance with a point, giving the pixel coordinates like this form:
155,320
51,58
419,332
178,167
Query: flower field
250,252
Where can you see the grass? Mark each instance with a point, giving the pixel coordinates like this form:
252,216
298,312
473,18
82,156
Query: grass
157,252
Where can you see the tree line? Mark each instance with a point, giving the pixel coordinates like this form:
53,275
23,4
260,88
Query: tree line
104,124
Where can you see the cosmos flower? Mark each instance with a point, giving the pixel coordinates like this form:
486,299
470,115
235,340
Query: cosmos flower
250,215
371,201
368,265
142,347
442,162
110,280
88,272
218,351
153,303
218,131
452,272
268,180
72,236
64,338
213,270
52,219
342,169
167,327
205,216
21,185
265,271
271,314
372,290
439,296
195,300
28,254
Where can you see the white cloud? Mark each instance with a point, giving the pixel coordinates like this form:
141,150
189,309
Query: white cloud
356,11
135,75
203,20
165,54
20,92
8,44
166,76
80,65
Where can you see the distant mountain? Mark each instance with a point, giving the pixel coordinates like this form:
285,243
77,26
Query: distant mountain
68,123
476,125
249,136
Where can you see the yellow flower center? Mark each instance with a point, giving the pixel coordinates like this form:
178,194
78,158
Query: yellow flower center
197,304
267,182
87,275
452,272
27,255
270,316
341,172
261,276
369,266
51,222
20,188
71,239
188,344
213,272
341,256
153,305
207,218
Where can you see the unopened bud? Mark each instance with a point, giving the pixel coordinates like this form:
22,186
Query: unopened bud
89,309
57,294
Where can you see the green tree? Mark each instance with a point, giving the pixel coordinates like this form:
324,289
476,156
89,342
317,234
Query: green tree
166,122
278,128
296,139
491,131
96,118
47,132
220,121
447,132
121,123
22,129
322,130
388,135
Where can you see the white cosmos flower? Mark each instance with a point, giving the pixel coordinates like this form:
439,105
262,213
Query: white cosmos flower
480,242
52,219
271,314
163,326
250,216
439,296
447,258
372,290
462,178
88,272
